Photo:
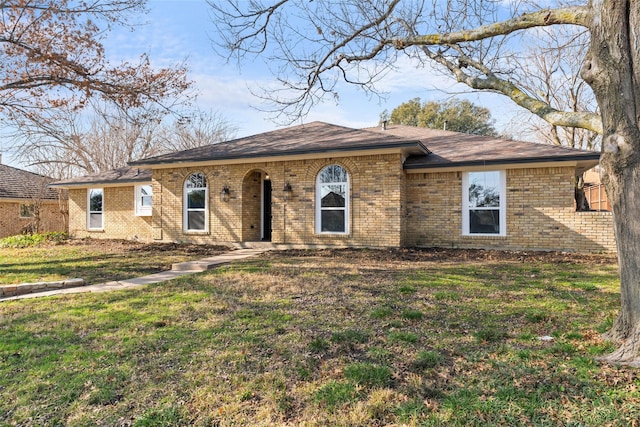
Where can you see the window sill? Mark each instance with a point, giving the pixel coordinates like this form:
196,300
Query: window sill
95,230
484,236
195,232
332,235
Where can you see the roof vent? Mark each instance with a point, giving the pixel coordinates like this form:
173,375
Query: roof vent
384,125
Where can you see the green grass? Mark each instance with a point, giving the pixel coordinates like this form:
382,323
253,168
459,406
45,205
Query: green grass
259,343
49,257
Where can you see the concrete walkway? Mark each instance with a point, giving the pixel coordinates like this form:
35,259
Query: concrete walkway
177,270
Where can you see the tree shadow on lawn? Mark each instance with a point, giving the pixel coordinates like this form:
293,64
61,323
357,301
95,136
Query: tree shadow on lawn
103,262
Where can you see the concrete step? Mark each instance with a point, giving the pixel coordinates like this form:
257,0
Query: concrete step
217,260
255,245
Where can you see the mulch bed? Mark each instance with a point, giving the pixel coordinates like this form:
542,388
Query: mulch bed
121,246
453,255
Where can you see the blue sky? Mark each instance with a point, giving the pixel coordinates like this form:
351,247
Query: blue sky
181,30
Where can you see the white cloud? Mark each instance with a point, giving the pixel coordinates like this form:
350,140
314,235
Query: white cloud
178,30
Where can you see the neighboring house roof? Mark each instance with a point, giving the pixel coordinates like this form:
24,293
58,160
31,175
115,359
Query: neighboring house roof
122,175
311,138
20,184
450,149
332,200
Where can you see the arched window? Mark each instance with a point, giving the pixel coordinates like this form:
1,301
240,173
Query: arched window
195,203
332,200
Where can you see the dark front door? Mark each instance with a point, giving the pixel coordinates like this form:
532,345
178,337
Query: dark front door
266,210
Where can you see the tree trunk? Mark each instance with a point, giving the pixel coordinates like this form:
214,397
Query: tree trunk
611,70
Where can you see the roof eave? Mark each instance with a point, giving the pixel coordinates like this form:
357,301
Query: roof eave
112,183
414,147
595,158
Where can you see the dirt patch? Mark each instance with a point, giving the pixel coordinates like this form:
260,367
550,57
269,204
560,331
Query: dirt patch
124,246
452,255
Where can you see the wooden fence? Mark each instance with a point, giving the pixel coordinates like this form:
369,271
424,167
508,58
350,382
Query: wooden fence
597,198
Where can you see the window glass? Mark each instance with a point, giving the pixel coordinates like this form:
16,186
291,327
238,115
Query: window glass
333,221
95,200
195,221
95,219
196,198
484,210
333,196
484,189
144,200
332,200
27,211
195,202
145,196
484,221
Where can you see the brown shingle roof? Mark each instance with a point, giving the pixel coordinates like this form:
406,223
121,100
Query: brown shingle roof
315,137
116,176
429,148
20,184
460,149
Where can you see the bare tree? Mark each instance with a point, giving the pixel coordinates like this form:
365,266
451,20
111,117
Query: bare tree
73,144
550,69
109,138
52,57
198,129
312,46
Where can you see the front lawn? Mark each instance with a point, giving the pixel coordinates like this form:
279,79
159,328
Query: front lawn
328,338
93,260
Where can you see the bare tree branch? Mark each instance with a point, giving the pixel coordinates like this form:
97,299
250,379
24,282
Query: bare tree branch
51,56
543,18
357,42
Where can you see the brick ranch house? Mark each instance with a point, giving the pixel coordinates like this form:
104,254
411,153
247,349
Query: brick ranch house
26,204
325,185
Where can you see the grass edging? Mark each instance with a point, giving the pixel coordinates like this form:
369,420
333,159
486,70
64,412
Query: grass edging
29,288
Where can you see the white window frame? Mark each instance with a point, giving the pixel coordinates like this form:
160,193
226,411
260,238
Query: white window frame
347,202
186,209
502,209
89,211
140,209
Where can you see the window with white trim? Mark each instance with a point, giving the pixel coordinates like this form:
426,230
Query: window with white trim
95,211
332,200
144,196
484,203
195,202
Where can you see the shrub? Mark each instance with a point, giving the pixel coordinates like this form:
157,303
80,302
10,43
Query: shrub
26,240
